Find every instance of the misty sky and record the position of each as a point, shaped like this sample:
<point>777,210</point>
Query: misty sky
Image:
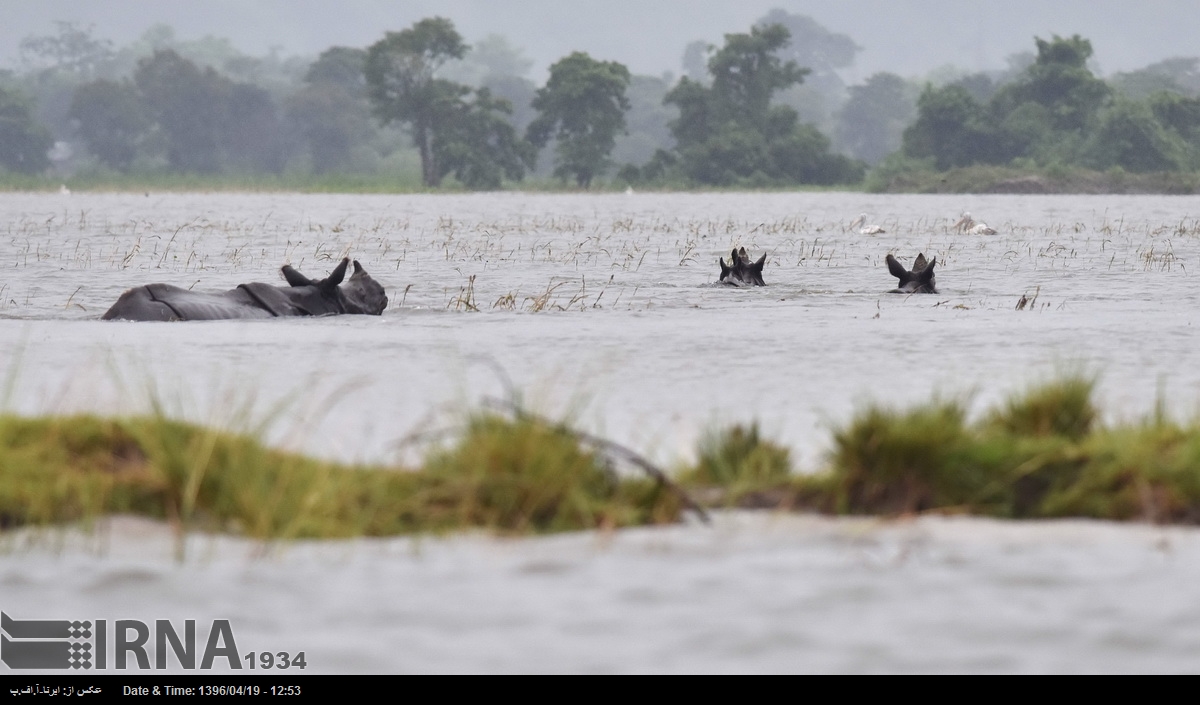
<point>909,37</point>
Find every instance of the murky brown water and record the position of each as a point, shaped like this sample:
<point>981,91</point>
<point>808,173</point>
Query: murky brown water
<point>604,308</point>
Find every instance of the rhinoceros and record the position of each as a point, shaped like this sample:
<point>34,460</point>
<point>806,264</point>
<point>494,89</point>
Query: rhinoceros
<point>742,272</point>
<point>302,297</point>
<point>918,281</point>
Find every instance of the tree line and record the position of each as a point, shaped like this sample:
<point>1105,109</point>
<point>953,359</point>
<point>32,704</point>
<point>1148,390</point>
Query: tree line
<point>766,108</point>
<point>1058,112</point>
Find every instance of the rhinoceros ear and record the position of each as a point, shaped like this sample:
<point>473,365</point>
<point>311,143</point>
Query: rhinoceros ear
<point>724,267</point>
<point>758,266</point>
<point>897,269</point>
<point>336,277</point>
<point>295,278</point>
<point>920,263</point>
<point>927,273</point>
<point>358,268</point>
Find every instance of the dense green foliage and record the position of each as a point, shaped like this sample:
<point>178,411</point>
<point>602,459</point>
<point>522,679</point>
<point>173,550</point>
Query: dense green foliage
<point>452,131</point>
<point>730,133</point>
<point>23,141</point>
<point>768,108</point>
<point>583,108</point>
<point>330,114</point>
<point>1057,112</point>
<point>875,116</point>
<point>112,120</point>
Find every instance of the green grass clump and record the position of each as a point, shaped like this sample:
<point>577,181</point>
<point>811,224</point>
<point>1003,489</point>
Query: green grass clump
<point>902,461</point>
<point>1148,472</point>
<point>64,469</point>
<point>526,475</point>
<point>739,461</point>
<point>1041,454</point>
<point>503,475</point>
<point>1060,408</point>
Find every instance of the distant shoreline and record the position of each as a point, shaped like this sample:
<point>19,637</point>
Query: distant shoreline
<point>966,180</point>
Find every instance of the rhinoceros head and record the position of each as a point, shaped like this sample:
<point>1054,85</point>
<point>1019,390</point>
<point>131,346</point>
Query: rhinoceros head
<point>364,293</point>
<point>741,271</point>
<point>920,280</point>
<point>359,294</point>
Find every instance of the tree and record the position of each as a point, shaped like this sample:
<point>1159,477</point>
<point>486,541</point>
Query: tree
<point>73,50</point>
<point>823,53</point>
<point>188,105</point>
<point>55,65</point>
<point>23,141</point>
<point>402,87</point>
<point>1059,80</point>
<point>1177,75</point>
<point>491,56</point>
<point>1181,116</point>
<point>1128,136</point>
<point>519,92</point>
<point>480,146</point>
<point>695,61</point>
<point>208,122</point>
<point>1177,113</point>
<point>646,121</point>
<point>954,129</point>
<point>342,67</point>
<point>747,71</point>
<point>112,121</point>
<point>250,133</point>
<point>871,123</point>
<point>812,46</point>
<point>730,132</point>
<point>583,107</point>
<point>330,114</point>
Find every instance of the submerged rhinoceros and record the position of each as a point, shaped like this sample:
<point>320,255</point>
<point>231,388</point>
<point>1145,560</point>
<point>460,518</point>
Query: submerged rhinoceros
<point>918,281</point>
<point>302,297</point>
<point>742,272</point>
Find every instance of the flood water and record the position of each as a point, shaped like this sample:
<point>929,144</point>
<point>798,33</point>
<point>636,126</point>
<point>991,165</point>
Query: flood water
<point>604,309</point>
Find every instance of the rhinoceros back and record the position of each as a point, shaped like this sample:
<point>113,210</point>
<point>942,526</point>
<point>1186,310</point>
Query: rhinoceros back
<point>166,302</point>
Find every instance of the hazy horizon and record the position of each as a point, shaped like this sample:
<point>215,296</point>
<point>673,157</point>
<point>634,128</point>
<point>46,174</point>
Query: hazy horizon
<point>901,36</point>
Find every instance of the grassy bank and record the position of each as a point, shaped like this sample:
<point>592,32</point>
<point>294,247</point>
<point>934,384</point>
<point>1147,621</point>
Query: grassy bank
<point>884,179</point>
<point>251,183</point>
<point>1041,454</point>
<point>403,183</point>
<point>892,176</point>
<point>509,476</point>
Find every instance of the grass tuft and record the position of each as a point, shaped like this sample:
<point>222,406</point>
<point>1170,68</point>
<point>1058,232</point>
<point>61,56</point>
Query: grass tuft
<point>1039,455</point>
<point>521,475</point>
<point>1060,408</point>
<point>900,461</point>
<point>739,460</point>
